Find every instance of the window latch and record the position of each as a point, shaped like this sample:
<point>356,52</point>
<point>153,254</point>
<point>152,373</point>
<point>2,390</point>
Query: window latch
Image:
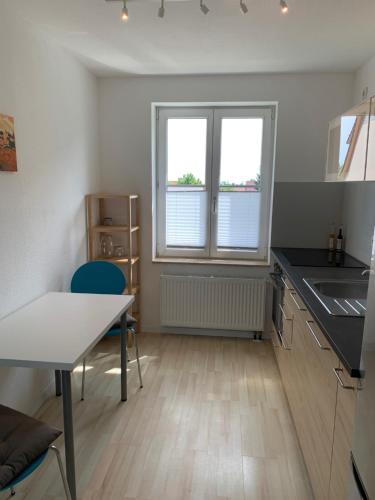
<point>214,202</point>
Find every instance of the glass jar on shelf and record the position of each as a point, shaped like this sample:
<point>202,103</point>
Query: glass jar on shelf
<point>106,245</point>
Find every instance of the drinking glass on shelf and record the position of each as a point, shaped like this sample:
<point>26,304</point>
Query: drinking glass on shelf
<point>119,251</point>
<point>106,244</point>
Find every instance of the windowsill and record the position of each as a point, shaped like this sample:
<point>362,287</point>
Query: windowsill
<point>211,262</point>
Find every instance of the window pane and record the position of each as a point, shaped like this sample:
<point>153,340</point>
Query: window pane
<point>241,153</point>
<point>186,218</point>
<point>187,139</point>
<point>186,205</point>
<point>239,183</point>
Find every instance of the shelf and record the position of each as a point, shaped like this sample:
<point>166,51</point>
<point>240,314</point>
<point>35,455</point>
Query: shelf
<point>134,291</point>
<point>110,229</point>
<point>126,229</point>
<point>114,229</point>
<point>103,196</point>
<point>119,260</point>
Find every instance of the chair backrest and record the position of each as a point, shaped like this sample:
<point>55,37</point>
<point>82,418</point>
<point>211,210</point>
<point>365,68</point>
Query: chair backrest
<point>98,277</point>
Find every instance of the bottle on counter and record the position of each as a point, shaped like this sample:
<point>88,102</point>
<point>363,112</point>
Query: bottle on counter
<point>340,241</point>
<point>332,238</point>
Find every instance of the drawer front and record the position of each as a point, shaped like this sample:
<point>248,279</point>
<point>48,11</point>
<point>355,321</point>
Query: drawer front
<point>287,283</point>
<point>342,441</point>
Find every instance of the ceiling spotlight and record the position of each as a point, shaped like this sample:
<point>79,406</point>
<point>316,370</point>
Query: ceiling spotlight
<point>284,6</point>
<point>124,12</point>
<point>161,10</point>
<point>204,7</point>
<point>243,7</point>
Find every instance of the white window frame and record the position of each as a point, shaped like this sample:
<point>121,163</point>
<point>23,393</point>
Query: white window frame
<point>160,113</point>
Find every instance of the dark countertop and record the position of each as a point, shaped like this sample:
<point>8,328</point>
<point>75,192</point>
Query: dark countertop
<point>344,334</point>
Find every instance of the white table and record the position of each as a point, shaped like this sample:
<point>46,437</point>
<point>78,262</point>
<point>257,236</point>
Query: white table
<point>56,332</point>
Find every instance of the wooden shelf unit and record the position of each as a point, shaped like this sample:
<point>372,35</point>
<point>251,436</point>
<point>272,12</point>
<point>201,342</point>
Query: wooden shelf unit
<point>124,211</point>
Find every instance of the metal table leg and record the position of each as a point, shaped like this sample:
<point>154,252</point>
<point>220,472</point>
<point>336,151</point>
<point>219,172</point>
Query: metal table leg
<point>68,432</point>
<point>124,359</point>
<point>58,382</point>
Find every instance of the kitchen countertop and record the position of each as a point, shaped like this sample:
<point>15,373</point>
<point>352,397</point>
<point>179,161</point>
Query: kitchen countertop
<point>344,334</point>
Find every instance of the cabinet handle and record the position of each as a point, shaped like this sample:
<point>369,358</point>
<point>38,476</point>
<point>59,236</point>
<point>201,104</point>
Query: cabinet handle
<point>300,308</point>
<point>309,323</point>
<point>284,346</point>
<point>283,313</point>
<point>337,372</point>
<point>285,283</point>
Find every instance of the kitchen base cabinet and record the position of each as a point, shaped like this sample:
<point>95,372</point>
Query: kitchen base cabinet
<point>342,440</point>
<point>322,407</point>
<point>314,398</point>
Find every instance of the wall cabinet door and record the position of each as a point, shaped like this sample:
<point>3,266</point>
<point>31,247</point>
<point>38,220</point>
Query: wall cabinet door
<point>370,162</point>
<point>347,145</point>
<point>342,441</point>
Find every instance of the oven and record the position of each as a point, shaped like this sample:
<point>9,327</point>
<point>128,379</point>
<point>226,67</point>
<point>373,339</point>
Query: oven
<point>277,299</point>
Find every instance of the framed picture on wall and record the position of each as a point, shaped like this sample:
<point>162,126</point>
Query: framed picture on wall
<point>8,156</point>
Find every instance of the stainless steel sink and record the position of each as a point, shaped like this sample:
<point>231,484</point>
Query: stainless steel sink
<point>340,297</point>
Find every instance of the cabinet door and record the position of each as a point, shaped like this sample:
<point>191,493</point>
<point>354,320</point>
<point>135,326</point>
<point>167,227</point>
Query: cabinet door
<point>347,145</point>
<point>319,406</point>
<point>370,162</point>
<point>332,164</point>
<point>342,441</point>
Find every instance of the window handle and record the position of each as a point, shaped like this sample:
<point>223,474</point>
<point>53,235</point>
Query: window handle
<point>214,204</point>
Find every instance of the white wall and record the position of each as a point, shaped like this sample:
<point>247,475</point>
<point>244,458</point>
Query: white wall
<point>307,103</point>
<point>359,198</point>
<point>42,221</point>
<point>364,77</point>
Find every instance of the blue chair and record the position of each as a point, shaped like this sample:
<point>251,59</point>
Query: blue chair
<point>106,278</point>
<point>25,442</point>
<point>32,467</point>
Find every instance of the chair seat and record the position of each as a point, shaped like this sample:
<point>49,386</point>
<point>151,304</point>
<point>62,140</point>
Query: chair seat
<point>116,328</point>
<point>22,440</point>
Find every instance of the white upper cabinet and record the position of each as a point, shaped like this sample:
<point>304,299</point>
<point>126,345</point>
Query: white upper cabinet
<point>347,145</point>
<point>370,162</point>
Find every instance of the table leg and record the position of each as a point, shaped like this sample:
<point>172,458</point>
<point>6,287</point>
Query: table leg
<point>68,432</point>
<point>124,358</point>
<point>58,382</point>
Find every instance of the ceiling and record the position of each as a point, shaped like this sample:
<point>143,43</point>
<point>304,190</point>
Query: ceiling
<point>316,35</point>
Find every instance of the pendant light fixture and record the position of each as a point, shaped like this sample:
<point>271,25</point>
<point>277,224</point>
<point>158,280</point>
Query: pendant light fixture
<point>161,10</point>
<point>243,7</point>
<point>284,7</point>
<point>124,12</point>
<point>205,10</point>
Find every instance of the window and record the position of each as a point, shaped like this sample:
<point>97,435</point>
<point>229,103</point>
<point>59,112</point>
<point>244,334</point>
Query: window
<point>214,175</point>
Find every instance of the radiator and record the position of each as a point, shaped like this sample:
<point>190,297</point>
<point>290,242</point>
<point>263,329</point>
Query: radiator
<point>212,302</point>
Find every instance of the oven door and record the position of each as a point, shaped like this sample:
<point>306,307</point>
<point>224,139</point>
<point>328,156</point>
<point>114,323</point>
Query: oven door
<point>277,301</point>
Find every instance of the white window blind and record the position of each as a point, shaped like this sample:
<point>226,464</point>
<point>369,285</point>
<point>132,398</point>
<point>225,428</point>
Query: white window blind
<point>186,219</point>
<point>238,220</point>
<point>214,175</point>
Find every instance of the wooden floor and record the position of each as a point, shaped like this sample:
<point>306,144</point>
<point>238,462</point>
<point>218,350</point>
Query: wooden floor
<point>212,422</point>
